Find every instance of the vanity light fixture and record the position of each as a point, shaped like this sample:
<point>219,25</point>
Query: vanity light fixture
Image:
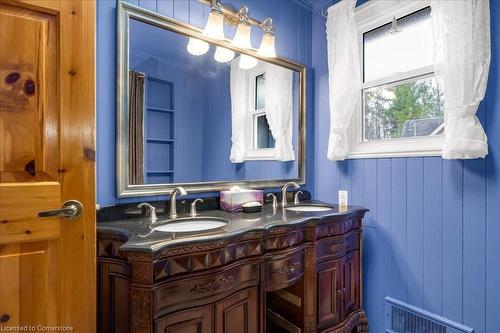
<point>243,29</point>
<point>223,55</point>
<point>242,39</point>
<point>247,62</point>
<point>267,47</point>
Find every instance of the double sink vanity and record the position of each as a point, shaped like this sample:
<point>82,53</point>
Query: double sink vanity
<point>209,121</point>
<point>293,268</point>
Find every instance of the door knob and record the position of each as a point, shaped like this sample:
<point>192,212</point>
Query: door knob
<point>71,209</point>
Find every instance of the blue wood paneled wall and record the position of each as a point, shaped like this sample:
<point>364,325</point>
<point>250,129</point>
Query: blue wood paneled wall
<point>293,24</point>
<point>432,236</point>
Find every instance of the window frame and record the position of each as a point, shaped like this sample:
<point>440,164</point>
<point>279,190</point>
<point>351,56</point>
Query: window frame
<point>252,153</point>
<point>369,16</point>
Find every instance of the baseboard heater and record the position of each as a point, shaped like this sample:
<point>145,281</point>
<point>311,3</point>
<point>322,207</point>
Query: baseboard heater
<point>405,318</point>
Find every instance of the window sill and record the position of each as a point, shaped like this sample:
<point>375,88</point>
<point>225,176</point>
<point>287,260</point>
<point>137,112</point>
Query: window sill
<point>418,147</point>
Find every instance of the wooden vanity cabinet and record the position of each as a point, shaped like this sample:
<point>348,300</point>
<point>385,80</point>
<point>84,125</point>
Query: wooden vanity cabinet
<point>338,289</point>
<point>303,278</point>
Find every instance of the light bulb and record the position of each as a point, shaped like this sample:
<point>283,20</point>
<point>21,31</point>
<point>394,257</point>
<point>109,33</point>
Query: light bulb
<point>215,24</point>
<point>242,37</point>
<point>266,48</point>
<point>223,55</point>
<point>247,62</point>
<point>197,47</point>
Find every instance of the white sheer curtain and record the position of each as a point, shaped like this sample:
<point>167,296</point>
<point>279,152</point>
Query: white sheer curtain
<point>462,58</point>
<point>239,110</point>
<point>343,75</point>
<point>279,109</point>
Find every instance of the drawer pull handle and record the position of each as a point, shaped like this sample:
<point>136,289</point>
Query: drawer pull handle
<point>213,285</point>
<point>337,248</point>
<point>286,269</point>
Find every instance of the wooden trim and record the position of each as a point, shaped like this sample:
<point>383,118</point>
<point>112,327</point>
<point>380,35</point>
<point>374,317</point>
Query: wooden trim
<point>77,98</point>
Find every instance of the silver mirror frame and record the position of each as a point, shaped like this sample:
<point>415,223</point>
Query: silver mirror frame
<point>127,11</point>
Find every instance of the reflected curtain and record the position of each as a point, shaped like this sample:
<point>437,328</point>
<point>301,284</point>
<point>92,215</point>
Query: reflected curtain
<point>461,64</point>
<point>239,110</point>
<point>279,109</point>
<point>344,75</point>
<point>135,127</point>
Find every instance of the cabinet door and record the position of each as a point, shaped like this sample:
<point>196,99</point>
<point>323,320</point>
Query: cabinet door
<point>197,320</point>
<point>350,283</point>
<point>237,313</point>
<point>329,291</point>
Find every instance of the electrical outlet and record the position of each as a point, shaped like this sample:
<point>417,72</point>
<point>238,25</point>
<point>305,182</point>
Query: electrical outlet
<point>343,200</point>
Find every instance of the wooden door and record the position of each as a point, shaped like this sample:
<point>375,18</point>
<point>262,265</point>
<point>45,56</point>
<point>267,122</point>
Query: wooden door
<point>47,112</point>
<point>196,320</point>
<point>329,292</point>
<point>350,283</point>
<point>238,313</point>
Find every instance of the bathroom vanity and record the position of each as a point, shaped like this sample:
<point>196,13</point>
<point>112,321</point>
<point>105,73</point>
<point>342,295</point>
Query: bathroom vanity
<point>193,122</point>
<point>274,271</point>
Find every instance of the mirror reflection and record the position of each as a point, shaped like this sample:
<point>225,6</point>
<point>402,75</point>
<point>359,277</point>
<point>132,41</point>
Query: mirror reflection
<point>219,116</point>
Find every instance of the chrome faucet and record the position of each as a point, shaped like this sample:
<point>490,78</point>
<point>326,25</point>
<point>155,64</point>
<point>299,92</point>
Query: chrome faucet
<point>173,201</point>
<point>193,212</point>
<point>150,212</point>
<point>284,190</point>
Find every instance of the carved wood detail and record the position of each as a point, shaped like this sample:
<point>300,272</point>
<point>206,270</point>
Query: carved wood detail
<point>356,319</point>
<point>213,285</point>
<point>141,309</point>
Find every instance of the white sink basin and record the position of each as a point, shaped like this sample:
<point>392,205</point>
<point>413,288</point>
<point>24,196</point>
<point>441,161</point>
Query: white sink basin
<point>191,225</point>
<point>309,208</point>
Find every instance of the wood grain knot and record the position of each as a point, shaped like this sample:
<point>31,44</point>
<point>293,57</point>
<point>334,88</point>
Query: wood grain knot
<point>28,232</point>
<point>12,78</point>
<point>72,72</point>
<point>89,153</point>
<point>4,318</point>
<point>29,87</point>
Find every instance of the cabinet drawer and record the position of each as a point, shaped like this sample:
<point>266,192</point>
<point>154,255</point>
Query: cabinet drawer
<point>284,270</point>
<point>176,294</point>
<point>339,246</point>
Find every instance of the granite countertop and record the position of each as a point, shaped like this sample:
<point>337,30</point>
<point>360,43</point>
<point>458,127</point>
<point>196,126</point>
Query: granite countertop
<point>140,237</point>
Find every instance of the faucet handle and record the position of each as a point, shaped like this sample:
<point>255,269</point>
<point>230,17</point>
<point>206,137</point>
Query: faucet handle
<point>150,211</point>
<point>193,207</point>
<point>275,200</point>
<point>296,200</point>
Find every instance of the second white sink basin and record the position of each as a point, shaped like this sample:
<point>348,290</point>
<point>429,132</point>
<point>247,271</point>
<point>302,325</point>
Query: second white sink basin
<point>191,225</point>
<point>309,208</point>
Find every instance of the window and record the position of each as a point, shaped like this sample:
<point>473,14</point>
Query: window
<point>262,144</point>
<point>402,106</point>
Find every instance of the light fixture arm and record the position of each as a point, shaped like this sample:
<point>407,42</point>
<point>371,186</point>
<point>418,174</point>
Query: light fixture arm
<point>231,16</point>
<point>267,25</point>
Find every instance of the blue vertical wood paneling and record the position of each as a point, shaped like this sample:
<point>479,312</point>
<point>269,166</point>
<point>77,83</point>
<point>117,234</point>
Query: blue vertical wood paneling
<point>474,204</point>
<point>433,235</point>
<point>453,240</point>
<point>357,183</point>
<point>398,230</point>
<point>148,4</point>
<point>415,230</point>
<point>383,225</point>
